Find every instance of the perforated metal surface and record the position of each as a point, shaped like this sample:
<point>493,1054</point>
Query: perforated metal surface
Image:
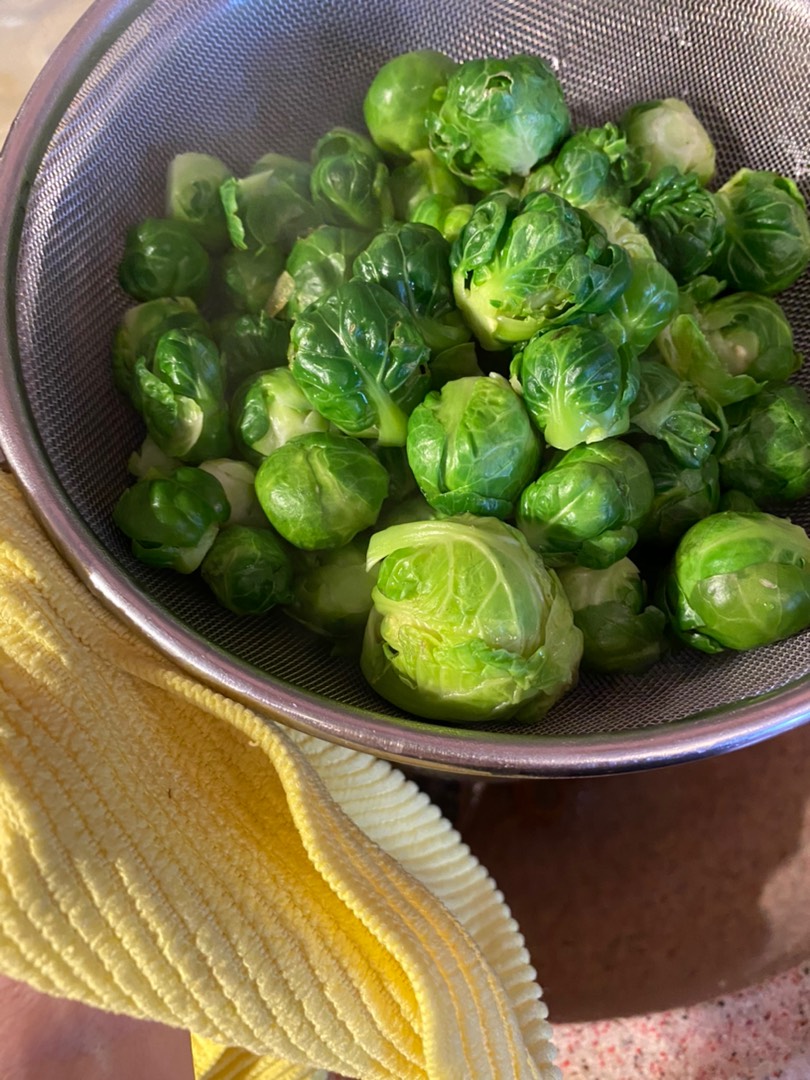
<point>240,77</point>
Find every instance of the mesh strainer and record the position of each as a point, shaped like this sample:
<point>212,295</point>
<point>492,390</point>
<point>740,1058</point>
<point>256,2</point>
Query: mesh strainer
<point>137,82</point>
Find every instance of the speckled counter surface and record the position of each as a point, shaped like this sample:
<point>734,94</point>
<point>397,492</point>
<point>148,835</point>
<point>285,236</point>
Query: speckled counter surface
<point>667,913</point>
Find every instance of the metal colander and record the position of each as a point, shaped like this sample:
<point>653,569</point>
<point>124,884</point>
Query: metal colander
<point>136,83</point>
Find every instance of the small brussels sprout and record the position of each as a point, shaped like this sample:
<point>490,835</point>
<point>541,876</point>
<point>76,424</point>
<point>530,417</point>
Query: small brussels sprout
<point>297,174</point>
<point>270,207</point>
<point>577,387</point>
<point>248,278</point>
<point>525,265</point>
<point>268,410</point>
<point>587,506</point>
<point>731,347</point>
<point>150,459</point>
<point>139,332</point>
<point>620,632</point>
<point>497,118</point>
<point>401,481</point>
<point>666,132</point>
<point>248,570</point>
<point>182,397</point>
<point>739,581</point>
<point>238,481</point>
<point>621,229</point>
<point>683,221</point>
<point>472,447</point>
<point>162,259</point>
<point>736,500</point>
<point>400,97</point>
<point>646,306</point>
<point>458,362</point>
<point>350,181</point>
<point>361,361</point>
<point>318,263</point>
<point>331,592</point>
<point>192,196</point>
<point>592,165</point>
<point>319,490</point>
<point>683,494</point>
<point>172,520</point>
<point>444,214</point>
<point>667,408</point>
<point>467,624</point>
<point>767,450</point>
<point>249,344</point>
<point>421,178</point>
<point>412,262</point>
<point>767,237</point>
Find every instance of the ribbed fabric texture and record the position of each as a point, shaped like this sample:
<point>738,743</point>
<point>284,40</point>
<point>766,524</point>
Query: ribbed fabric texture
<point>168,854</point>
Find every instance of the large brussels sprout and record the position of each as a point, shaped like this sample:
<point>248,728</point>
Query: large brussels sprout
<point>412,262</point>
<point>421,178</point>
<point>247,279</point>
<point>682,494</point>
<point>666,132</point>
<point>467,625</point>
<point>620,631</point>
<point>331,592</point>
<point>163,259</point>
<point>525,265</point>
<point>182,396</point>
<point>238,480</point>
<point>472,447</point>
<point>267,411</point>
<point>319,490</point>
<point>361,361</point>
<point>400,96</point>
<point>444,214</point>
<point>173,520</point>
<point>271,206</point>
<point>592,165</point>
<point>497,118</point>
<point>350,181</point>
<point>249,344</point>
<point>739,581</point>
<point>193,181</point>
<point>666,408</point>
<point>318,263</point>
<point>767,235</point>
<point>683,221</point>
<point>766,454</point>
<point>248,570</point>
<point>587,506</point>
<point>731,347</point>
<point>578,388</point>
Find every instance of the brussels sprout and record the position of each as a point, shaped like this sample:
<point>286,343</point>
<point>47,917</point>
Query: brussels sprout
<point>162,259</point>
<point>620,632</point>
<point>182,397</point>
<point>248,570</point>
<point>248,278</point>
<point>577,387</point>
<point>496,118</point>
<point>620,228</point>
<point>665,133</point>
<point>667,408</point>
<point>739,581</point>
<point>412,262</point>
<point>592,165</point>
<point>172,520</point>
<point>401,481</point>
<point>192,196</point>
<point>399,98</point>
<point>350,181</point>
<point>472,447</point>
<point>405,511</point>
<point>731,347</point>
<point>683,495</point>
<point>317,264</point>
<point>767,450</point>
<point>683,221</point>
<point>736,500</point>
<point>270,207</point>
<point>267,411</point>
<point>238,481</point>
<point>361,361</point>
<point>588,505</point>
<point>458,362</point>
<point>421,178</point>
<point>139,331</point>
<point>249,344</point>
<point>443,214</point>
<point>646,306</point>
<point>467,623</point>
<point>767,235</point>
<point>150,459</point>
<point>521,266</point>
<point>331,592</point>
<point>319,490</point>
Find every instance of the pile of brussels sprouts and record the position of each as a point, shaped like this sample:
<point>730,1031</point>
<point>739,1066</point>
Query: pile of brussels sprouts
<point>484,397</point>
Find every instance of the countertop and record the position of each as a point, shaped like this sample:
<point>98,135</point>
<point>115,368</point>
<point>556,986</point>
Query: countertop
<point>666,912</point>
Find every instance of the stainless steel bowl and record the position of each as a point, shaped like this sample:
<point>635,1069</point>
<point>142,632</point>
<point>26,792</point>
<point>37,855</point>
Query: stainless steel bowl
<point>136,82</point>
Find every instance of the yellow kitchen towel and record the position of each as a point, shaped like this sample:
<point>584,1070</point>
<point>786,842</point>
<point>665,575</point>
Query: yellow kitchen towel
<point>168,854</point>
